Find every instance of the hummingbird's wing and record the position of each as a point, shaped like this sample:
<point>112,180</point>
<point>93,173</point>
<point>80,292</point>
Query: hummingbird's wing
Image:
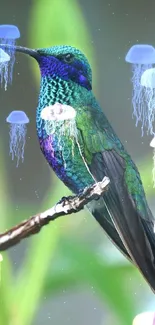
<point>125,200</point>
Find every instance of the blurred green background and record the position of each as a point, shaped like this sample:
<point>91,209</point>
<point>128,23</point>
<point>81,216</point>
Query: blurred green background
<point>70,273</point>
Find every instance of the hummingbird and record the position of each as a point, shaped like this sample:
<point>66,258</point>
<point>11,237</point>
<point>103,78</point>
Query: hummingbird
<point>91,152</point>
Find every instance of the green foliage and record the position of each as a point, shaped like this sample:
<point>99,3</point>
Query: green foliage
<point>40,273</point>
<point>50,27</point>
<point>146,175</point>
<point>107,280</point>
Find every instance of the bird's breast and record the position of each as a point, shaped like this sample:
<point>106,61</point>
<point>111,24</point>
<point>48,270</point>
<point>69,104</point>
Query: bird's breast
<point>63,153</point>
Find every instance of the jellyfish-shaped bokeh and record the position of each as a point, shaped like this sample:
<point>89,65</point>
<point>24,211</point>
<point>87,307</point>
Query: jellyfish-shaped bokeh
<point>8,36</point>
<point>141,57</point>
<point>148,84</point>
<point>18,130</point>
<point>59,115</point>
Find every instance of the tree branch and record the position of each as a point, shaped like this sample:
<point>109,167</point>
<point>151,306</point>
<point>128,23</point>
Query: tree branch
<point>66,206</point>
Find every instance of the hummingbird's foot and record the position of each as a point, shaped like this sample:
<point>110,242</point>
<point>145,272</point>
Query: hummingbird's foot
<point>65,200</point>
<point>80,192</point>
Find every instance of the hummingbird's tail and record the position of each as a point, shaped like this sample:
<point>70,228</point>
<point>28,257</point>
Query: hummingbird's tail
<point>101,214</point>
<point>141,242</point>
<point>117,213</point>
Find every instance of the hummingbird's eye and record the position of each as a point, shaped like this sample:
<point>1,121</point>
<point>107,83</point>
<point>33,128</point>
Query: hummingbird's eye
<point>68,57</point>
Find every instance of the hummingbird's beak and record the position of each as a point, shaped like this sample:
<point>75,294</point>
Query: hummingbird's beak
<point>21,49</point>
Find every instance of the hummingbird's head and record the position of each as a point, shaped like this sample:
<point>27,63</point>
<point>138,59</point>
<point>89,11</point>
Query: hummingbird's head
<point>65,62</point>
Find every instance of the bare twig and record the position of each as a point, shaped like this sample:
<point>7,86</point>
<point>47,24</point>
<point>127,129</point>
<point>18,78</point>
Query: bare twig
<point>66,206</point>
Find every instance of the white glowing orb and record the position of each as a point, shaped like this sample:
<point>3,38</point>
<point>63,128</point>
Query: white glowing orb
<point>4,57</point>
<point>148,78</point>
<point>152,143</point>
<point>147,318</point>
<point>58,112</point>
